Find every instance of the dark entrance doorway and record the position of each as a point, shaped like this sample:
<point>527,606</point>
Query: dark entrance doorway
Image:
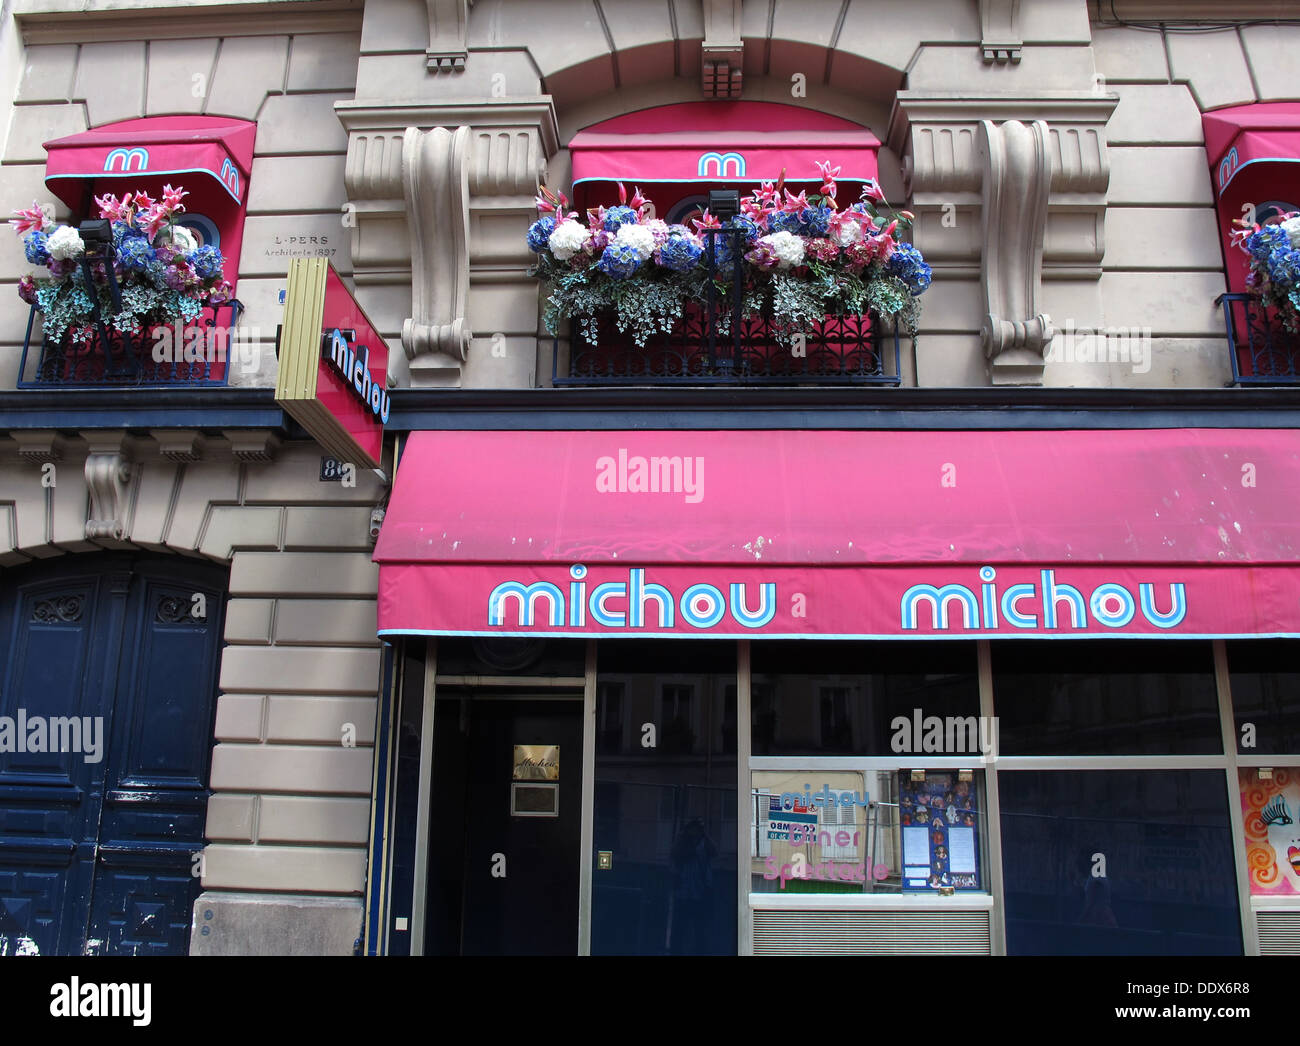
<point>503,853</point>
<point>101,819</point>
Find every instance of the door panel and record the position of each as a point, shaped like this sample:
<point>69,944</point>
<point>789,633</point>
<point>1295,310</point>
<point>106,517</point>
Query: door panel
<point>98,855</point>
<point>533,908</point>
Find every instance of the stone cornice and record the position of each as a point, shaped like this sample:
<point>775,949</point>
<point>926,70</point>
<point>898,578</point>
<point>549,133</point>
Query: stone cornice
<point>61,22</point>
<point>376,115</point>
<point>1213,12</point>
<point>1054,107</point>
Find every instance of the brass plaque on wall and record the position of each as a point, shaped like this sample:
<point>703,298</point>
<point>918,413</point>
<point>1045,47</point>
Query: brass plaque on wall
<point>537,763</point>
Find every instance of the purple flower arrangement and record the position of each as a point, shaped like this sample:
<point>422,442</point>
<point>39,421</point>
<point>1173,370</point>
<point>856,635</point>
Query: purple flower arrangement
<point>800,257</point>
<point>162,273</point>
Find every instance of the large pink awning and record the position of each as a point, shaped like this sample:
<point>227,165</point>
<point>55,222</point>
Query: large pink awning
<point>218,148</point>
<point>1173,532</point>
<point>699,141</point>
<point>1243,135</point>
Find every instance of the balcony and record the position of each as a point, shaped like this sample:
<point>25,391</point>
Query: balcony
<point>841,350</point>
<point>716,343</point>
<point>1262,350</point>
<point>195,354</point>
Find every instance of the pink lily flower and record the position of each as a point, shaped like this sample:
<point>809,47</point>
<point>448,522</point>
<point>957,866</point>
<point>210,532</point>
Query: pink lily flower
<point>153,220</point>
<point>829,173</point>
<point>706,221</point>
<point>871,191</point>
<point>172,199</point>
<point>31,220</point>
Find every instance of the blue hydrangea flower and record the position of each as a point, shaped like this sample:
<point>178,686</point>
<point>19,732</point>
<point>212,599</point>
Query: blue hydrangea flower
<point>619,260</point>
<point>907,264</point>
<point>814,221</point>
<point>35,246</point>
<point>724,259</point>
<point>679,254</point>
<point>136,253</point>
<point>539,232</point>
<point>123,231</point>
<point>785,221</point>
<point>207,262</point>
<point>743,221</point>
<point>616,216</point>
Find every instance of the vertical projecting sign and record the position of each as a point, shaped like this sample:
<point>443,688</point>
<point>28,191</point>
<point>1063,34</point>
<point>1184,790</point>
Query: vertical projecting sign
<point>333,365</point>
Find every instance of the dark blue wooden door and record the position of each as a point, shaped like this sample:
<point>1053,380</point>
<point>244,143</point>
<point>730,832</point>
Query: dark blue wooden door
<point>108,671</point>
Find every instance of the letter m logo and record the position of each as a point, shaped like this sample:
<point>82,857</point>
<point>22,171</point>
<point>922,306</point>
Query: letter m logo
<point>721,165</point>
<point>136,159</point>
<point>230,175</point>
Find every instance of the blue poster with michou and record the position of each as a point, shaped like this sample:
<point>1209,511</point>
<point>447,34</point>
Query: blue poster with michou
<point>938,816</point>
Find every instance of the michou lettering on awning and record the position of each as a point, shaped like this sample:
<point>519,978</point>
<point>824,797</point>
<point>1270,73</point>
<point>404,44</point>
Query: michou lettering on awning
<point>352,362</point>
<point>830,601</point>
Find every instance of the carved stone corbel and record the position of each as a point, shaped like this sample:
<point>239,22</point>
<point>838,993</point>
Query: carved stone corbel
<point>1017,180</point>
<point>723,49</point>
<point>107,475</point>
<point>1000,40</point>
<point>448,28</point>
<point>435,182</point>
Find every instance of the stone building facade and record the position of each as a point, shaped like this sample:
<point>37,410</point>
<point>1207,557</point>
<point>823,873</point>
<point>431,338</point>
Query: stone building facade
<point>1053,154</point>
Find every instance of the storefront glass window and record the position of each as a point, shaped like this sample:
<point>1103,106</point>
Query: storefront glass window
<point>665,794</point>
<point>866,832</point>
<point>813,699</point>
<point>1118,862</point>
<point>510,656</point>
<point>1128,697</point>
<point>1264,677</point>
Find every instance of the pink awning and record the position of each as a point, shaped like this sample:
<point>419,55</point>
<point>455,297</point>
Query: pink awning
<point>1173,532</point>
<point>1242,135</point>
<point>736,142</point>
<point>219,148</point>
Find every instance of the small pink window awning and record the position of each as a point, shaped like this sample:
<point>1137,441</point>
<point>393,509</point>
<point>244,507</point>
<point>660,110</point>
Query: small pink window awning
<point>219,148</point>
<point>835,534</point>
<point>737,142</point>
<point>1241,136</point>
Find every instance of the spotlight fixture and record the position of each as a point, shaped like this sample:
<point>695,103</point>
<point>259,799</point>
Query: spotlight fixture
<point>724,203</point>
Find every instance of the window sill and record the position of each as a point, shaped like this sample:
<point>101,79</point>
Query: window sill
<point>854,902</point>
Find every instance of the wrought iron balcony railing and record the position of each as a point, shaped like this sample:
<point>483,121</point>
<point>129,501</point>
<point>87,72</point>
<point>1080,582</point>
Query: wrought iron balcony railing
<point>191,353</point>
<point>1262,350</point>
<point>716,343</point>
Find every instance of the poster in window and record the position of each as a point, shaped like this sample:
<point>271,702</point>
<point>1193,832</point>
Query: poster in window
<point>1271,819</point>
<point>939,818</point>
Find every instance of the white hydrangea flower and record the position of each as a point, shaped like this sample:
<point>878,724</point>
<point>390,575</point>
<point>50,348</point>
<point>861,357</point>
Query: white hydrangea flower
<point>638,237</point>
<point>849,232</point>
<point>66,243</point>
<point>181,238</point>
<point>787,247</point>
<point>566,239</point>
<point>1292,227</point>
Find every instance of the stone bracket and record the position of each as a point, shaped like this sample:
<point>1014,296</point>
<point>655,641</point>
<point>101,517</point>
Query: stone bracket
<point>435,182</point>
<point>1000,41</point>
<point>108,476</point>
<point>1017,176</point>
<point>448,29</point>
<point>723,56</point>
